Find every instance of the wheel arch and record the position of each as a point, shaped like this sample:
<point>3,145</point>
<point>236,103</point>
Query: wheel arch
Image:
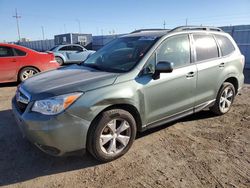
<point>234,81</point>
<point>128,107</point>
<point>60,56</point>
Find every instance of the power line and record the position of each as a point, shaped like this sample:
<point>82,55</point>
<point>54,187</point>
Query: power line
<point>17,23</point>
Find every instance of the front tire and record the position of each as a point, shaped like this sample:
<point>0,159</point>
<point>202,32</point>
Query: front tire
<point>111,135</point>
<point>224,99</point>
<point>26,73</point>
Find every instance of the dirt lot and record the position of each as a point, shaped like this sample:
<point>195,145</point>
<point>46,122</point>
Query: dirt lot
<point>201,150</point>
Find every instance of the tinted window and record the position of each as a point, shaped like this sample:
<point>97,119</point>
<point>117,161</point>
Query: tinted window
<point>206,47</point>
<point>225,44</point>
<point>51,49</point>
<point>77,48</point>
<point>19,52</point>
<point>121,54</point>
<point>66,48</point>
<point>176,50</point>
<point>6,51</point>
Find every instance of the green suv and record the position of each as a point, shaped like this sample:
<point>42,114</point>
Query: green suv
<point>137,81</point>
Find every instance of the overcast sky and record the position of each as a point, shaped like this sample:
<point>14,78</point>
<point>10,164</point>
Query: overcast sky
<point>108,16</point>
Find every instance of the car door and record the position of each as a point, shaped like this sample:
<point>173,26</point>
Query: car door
<point>78,53</point>
<point>173,93</point>
<point>66,51</point>
<point>8,64</point>
<point>209,66</point>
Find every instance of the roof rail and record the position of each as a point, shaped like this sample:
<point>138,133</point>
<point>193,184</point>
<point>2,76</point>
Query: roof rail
<point>142,30</point>
<point>186,28</point>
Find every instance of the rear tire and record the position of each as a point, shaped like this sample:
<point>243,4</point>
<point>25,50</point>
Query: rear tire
<point>111,135</point>
<point>224,99</point>
<point>26,73</point>
<point>59,60</point>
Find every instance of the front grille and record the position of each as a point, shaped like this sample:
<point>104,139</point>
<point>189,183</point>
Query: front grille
<point>22,100</point>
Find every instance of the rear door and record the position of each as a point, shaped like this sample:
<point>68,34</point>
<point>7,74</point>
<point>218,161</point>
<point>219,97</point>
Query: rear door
<point>209,66</point>
<point>8,64</point>
<point>66,51</point>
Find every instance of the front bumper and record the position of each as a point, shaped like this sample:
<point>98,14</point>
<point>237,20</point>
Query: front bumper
<point>55,135</point>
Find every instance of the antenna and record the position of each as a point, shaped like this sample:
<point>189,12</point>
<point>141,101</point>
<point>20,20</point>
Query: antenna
<point>17,23</point>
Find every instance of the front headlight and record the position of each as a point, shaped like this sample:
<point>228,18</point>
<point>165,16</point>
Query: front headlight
<point>55,105</point>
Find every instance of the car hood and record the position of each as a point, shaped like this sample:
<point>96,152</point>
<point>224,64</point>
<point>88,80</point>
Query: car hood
<point>66,80</point>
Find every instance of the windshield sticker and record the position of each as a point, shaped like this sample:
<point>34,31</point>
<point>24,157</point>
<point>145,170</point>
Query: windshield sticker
<point>148,38</point>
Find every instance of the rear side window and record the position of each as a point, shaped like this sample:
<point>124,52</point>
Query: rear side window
<point>206,47</point>
<point>225,44</point>
<point>19,52</point>
<point>77,48</point>
<point>176,50</point>
<point>6,51</point>
<point>66,48</point>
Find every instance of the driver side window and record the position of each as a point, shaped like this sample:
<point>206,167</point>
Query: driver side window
<point>176,50</point>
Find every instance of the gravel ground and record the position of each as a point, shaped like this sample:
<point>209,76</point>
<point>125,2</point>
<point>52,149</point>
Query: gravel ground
<point>201,150</point>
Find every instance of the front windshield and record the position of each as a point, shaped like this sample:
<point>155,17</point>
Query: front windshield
<point>122,54</point>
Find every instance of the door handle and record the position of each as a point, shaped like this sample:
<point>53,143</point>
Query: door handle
<point>13,60</point>
<point>190,74</point>
<point>222,65</point>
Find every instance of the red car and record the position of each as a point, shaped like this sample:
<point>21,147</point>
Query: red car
<point>18,63</point>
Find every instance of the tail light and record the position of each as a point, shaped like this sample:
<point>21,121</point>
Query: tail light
<point>52,57</point>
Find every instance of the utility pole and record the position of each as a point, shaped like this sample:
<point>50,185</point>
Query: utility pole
<point>164,24</point>
<point>79,25</point>
<point>17,23</point>
<point>64,26</point>
<point>186,21</point>
<point>42,31</point>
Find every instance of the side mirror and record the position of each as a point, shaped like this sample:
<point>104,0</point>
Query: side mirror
<point>162,67</point>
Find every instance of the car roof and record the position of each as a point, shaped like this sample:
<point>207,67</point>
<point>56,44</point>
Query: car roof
<point>148,33</point>
<point>18,47</point>
<point>62,45</point>
<point>180,29</point>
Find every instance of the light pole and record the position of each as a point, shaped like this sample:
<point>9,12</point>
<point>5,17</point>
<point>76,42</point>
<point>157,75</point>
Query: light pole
<point>42,31</point>
<point>164,24</point>
<point>17,24</point>
<point>79,25</point>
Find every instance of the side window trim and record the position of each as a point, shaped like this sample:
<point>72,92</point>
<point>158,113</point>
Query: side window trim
<point>195,54</point>
<point>192,49</point>
<point>16,54</point>
<point>221,47</point>
<point>157,48</point>
<point>218,46</point>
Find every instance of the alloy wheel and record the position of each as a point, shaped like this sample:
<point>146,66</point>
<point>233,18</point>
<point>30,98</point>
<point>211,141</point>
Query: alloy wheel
<point>115,136</point>
<point>28,73</point>
<point>226,99</point>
